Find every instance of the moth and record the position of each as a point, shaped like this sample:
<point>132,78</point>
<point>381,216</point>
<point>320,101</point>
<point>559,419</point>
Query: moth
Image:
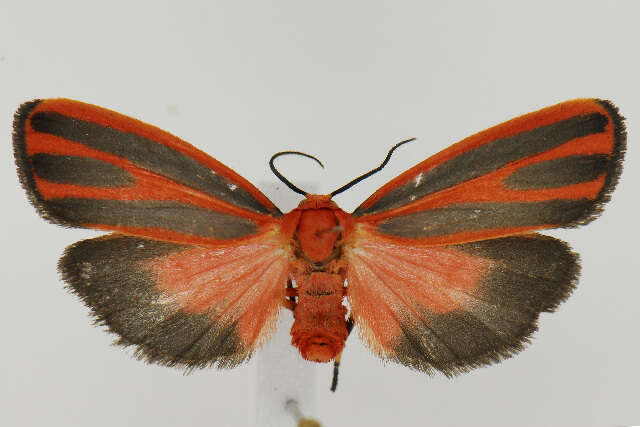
<point>442,267</point>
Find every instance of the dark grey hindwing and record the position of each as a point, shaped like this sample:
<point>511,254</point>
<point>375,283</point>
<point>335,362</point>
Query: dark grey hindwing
<point>532,274</point>
<point>107,273</point>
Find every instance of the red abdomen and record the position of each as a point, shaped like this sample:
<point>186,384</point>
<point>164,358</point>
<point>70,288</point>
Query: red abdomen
<point>320,328</point>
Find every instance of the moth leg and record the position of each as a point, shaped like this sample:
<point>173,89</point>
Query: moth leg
<point>350,323</point>
<point>336,361</point>
<point>287,303</point>
<point>291,296</point>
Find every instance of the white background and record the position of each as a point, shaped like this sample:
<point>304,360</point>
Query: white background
<point>343,80</point>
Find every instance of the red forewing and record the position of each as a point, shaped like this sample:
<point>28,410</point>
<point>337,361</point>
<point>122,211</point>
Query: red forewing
<point>86,166</point>
<point>551,168</point>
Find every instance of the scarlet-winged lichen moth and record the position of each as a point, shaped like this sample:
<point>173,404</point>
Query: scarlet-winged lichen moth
<point>442,267</point>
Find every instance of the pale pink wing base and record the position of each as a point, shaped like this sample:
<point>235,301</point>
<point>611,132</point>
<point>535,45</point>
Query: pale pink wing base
<point>180,304</point>
<point>452,308</point>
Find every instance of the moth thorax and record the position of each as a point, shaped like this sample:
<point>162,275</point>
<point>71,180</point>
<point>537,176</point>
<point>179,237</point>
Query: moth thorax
<point>317,233</point>
<point>320,329</point>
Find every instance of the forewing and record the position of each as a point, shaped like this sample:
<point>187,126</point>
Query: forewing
<point>180,304</point>
<point>552,168</point>
<point>85,166</point>
<point>453,308</point>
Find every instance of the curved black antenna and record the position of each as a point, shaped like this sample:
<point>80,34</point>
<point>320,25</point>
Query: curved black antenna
<point>371,172</point>
<point>282,178</point>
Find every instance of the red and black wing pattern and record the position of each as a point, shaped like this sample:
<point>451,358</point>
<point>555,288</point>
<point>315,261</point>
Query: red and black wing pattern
<point>183,305</point>
<point>552,168</point>
<point>443,271</point>
<point>86,166</point>
<point>197,274</point>
<point>453,308</point>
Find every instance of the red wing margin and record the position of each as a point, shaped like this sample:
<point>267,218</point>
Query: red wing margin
<point>552,168</point>
<point>85,166</point>
<point>454,308</point>
<point>181,305</point>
